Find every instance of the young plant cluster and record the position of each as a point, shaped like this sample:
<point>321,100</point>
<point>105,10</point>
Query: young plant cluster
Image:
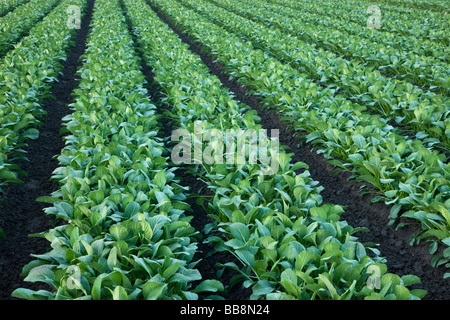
<point>17,23</point>
<point>401,102</point>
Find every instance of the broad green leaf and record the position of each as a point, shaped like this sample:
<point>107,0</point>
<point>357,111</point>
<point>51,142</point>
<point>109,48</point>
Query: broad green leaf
<point>401,292</point>
<point>409,280</point>
<point>154,290</point>
<point>240,231</point>
<point>330,287</point>
<point>112,258</point>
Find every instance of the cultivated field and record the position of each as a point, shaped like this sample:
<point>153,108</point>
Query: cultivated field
<point>225,149</point>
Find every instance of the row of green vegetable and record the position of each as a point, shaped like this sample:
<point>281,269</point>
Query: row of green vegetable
<point>426,27</point>
<point>399,101</point>
<point>421,70</point>
<point>287,243</point>
<point>126,234</point>
<point>26,77</point>
<point>404,173</point>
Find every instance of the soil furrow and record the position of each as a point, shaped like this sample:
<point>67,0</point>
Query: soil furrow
<point>21,215</point>
<point>360,212</point>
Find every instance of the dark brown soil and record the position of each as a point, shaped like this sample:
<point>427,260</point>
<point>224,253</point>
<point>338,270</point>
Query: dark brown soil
<point>21,215</point>
<point>360,212</point>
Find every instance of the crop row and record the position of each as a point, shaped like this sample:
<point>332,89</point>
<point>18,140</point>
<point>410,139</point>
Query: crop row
<point>26,79</point>
<point>407,175</point>
<point>400,101</point>
<point>126,236</point>
<point>398,22</point>
<point>17,23</point>
<point>439,6</point>
<point>9,5</point>
<point>287,243</point>
<point>395,40</point>
<point>421,70</point>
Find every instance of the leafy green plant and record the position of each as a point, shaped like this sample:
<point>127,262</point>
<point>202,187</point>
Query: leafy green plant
<point>272,224</point>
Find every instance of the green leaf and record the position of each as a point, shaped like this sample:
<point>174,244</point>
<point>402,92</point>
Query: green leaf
<point>28,294</point>
<point>304,258</point>
<point>171,270</point>
<point>153,290</point>
<point>240,231</point>
<point>446,241</point>
<point>118,232</point>
<point>47,199</point>
<point>299,165</point>
<point>31,133</point>
<point>395,210</point>
<point>401,292</point>
<point>132,208</point>
<point>330,287</point>
<point>359,140</point>
<point>419,293</point>
<point>42,273</point>
<point>246,256</point>
<point>263,287</point>
<point>64,210</point>
<point>410,279</point>
<point>112,258</point>
<point>97,196</point>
